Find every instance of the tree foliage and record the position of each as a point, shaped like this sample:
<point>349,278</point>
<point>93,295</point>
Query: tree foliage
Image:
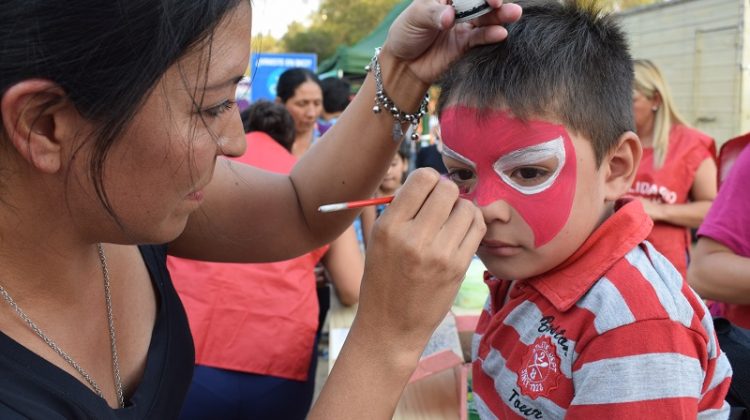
<point>336,23</point>
<point>345,22</point>
<point>266,43</point>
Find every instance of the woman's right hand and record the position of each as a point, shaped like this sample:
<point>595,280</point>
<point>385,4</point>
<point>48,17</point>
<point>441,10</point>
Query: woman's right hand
<point>421,248</point>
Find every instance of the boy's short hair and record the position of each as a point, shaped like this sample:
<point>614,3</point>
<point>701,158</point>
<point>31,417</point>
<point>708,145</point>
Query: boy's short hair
<point>563,60</point>
<point>271,118</point>
<point>336,94</point>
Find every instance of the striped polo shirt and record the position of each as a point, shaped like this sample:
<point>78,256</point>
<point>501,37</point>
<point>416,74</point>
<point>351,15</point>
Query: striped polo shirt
<point>614,332</point>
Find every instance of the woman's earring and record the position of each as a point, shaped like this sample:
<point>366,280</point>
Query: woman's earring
<point>655,108</point>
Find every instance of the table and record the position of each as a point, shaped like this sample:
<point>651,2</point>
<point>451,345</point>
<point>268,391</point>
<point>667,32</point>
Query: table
<point>436,397</point>
<point>432,398</point>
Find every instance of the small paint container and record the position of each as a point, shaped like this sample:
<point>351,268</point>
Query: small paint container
<point>470,9</point>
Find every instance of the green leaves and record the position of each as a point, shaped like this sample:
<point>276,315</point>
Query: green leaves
<point>336,23</point>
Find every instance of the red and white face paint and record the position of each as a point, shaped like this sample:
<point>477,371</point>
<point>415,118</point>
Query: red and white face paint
<point>531,165</point>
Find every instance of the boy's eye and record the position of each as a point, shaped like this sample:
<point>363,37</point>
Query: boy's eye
<point>529,176</point>
<point>461,177</point>
<point>219,109</point>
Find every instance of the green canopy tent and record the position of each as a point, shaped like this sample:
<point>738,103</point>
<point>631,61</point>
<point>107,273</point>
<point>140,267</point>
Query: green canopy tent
<point>350,61</point>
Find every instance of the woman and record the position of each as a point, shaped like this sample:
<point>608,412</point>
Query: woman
<point>117,117</point>
<point>676,179</point>
<point>300,92</point>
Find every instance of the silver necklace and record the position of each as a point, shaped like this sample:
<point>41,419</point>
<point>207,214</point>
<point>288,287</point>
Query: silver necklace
<point>61,352</point>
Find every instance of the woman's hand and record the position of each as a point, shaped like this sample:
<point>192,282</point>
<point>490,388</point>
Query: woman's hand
<point>420,250</point>
<point>421,247</point>
<point>654,210</point>
<point>426,35</point>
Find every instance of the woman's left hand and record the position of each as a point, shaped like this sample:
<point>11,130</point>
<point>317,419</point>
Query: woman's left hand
<point>654,210</point>
<point>427,37</point>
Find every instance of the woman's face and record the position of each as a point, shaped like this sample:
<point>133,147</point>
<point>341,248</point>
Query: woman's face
<point>156,171</point>
<point>305,106</point>
<point>643,112</point>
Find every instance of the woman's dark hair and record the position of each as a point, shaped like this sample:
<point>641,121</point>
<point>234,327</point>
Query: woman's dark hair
<point>107,55</point>
<point>290,80</point>
<point>271,118</point>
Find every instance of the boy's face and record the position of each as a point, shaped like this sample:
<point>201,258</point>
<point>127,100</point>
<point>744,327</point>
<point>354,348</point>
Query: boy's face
<point>537,185</point>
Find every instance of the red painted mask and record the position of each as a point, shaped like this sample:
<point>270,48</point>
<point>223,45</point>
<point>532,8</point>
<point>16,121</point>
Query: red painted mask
<point>529,164</point>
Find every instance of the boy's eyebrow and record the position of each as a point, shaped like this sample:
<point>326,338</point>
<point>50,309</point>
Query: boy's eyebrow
<point>457,156</point>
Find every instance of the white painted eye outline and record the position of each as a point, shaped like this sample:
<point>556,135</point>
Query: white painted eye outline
<point>447,152</point>
<point>452,154</point>
<point>529,156</point>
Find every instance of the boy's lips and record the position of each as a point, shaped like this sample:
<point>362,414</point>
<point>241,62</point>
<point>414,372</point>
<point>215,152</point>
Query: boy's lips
<point>499,248</point>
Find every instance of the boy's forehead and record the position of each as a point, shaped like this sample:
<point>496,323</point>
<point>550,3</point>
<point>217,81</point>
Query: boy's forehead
<point>494,132</point>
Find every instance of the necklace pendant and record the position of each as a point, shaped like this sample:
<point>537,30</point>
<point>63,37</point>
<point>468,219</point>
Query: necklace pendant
<point>398,133</point>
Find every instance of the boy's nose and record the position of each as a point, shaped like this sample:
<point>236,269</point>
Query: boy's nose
<point>496,211</point>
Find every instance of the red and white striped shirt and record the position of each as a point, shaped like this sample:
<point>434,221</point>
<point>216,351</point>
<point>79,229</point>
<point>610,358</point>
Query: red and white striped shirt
<point>614,332</point>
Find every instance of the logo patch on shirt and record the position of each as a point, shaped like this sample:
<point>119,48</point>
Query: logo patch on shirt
<point>540,370</point>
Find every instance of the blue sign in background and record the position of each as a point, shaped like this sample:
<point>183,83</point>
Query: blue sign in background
<point>265,69</point>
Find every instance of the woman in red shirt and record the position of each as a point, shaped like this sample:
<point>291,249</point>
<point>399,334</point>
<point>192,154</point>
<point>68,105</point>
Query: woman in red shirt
<point>676,179</point>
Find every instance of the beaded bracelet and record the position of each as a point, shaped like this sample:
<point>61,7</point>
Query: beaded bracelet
<point>383,101</point>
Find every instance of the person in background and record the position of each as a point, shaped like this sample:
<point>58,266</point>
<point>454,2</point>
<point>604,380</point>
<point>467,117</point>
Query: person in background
<point>720,269</point>
<point>392,181</point>
<point>429,153</point>
<point>336,97</point>
<point>117,119</point>
<point>676,180</point>
<point>255,325</point>
<point>272,119</point>
<point>585,319</point>
<point>298,89</point>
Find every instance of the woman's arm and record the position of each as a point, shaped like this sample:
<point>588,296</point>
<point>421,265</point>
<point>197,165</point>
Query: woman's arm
<point>420,251</point>
<point>717,273</point>
<point>250,216</point>
<point>345,265</point>
<point>690,214</point>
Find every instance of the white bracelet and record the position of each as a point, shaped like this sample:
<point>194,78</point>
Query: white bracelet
<point>383,101</point>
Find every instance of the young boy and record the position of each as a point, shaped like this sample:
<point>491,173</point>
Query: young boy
<point>585,319</point>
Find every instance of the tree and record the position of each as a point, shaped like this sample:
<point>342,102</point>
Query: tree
<point>336,23</point>
<point>314,39</point>
<point>345,22</point>
<point>266,43</point>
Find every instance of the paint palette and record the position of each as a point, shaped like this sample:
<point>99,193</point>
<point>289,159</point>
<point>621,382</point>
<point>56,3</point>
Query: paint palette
<point>470,9</point>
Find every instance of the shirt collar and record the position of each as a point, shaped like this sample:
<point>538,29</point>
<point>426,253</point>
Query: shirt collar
<point>610,242</point>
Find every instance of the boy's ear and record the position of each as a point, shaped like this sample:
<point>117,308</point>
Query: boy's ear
<point>35,117</point>
<point>621,165</point>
